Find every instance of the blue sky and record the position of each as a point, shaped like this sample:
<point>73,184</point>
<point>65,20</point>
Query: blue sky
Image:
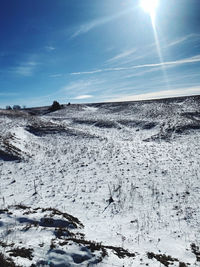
<point>97,50</point>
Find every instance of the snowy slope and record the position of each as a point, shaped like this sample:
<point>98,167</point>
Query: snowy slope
<point>127,173</point>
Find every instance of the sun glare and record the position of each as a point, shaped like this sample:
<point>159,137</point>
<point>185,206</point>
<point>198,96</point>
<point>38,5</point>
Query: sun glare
<point>149,6</point>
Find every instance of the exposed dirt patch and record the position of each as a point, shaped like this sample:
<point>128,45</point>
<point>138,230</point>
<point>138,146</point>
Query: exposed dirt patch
<point>41,129</point>
<point>6,156</point>
<point>84,122</point>
<point>119,251</point>
<point>145,125</point>
<point>44,129</point>
<point>73,220</point>
<point>196,251</point>
<point>106,124</point>
<point>21,252</point>
<point>166,260</point>
<point>8,151</point>
<point>14,113</point>
<point>2,211</point>
<point>7,262</point>
<point>91,245</point>
<point>184,128</point>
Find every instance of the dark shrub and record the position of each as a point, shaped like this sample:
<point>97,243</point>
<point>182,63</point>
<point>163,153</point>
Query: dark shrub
<point>16,107</point>
<point>8,107</point>
<point>55,106</point>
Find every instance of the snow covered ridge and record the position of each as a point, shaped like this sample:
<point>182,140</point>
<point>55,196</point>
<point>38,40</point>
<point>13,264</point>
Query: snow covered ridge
<point>110,184</point>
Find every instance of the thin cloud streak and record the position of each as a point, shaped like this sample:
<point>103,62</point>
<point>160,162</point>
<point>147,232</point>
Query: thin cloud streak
<point>137,74</point>
<point>82,97</point>
<point>80,85</point>
<point>55,75</point>
<point>178,41</point>
<point>122,55</point>
<point>194,59</point>
<point>129,56</point>
<point>183,39</point>
<point>4,94</point>
<point>25,69</point>
<point>50,48</point>
<point>88,72</point>
<point>159,94</point>
<point>84,28</point>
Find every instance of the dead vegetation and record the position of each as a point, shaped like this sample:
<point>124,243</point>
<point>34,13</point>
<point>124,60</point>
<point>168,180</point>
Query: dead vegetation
<point>166,260</point>
<point>8,151</point>
<point>73,220</point>
<point>195,249</point>
<point>64,231</point>
<point>94,246</point>
<point>5,245</point>
<point>7,262</point>
<point>14,113</point>
<point>21,252</point>
<point>41,128</point>
<point>91,245</point>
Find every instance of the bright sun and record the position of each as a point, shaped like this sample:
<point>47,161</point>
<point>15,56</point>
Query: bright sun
<point>149,6</point>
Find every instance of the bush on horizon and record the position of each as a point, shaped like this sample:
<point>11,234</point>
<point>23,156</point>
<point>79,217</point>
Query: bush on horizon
<point>55,106</point>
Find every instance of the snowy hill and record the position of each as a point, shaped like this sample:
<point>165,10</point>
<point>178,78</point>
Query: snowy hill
<point>108,184</point>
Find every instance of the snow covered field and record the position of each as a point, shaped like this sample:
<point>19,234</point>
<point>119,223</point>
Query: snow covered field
<point>113,184</point>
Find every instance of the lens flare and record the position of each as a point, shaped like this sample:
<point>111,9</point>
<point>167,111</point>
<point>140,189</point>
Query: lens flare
<point>149,6</point>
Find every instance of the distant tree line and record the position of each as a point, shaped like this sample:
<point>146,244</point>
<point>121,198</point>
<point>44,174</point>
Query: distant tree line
<point>15,107</point>
<point>55,106</point>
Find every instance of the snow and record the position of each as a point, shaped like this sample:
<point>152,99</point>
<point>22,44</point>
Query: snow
<point>74,160</point>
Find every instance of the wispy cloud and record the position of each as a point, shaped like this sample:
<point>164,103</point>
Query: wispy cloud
<point>122,55</point>
<point>141,72</point>
<point>5,94</point>
<point>183,39</point>
<point>178,41</point>
<point>159,94</point>
<point>56,75</point>
<point>101,70</point>
<point>132,55</point>
<point>82,87</point>
<point>86,27</point>
<point>87,72</point>
<point>194,59</point>
<point>83,97</point>
<point>50,48</point>
<point>79,85</point>
<point>25,69</point>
